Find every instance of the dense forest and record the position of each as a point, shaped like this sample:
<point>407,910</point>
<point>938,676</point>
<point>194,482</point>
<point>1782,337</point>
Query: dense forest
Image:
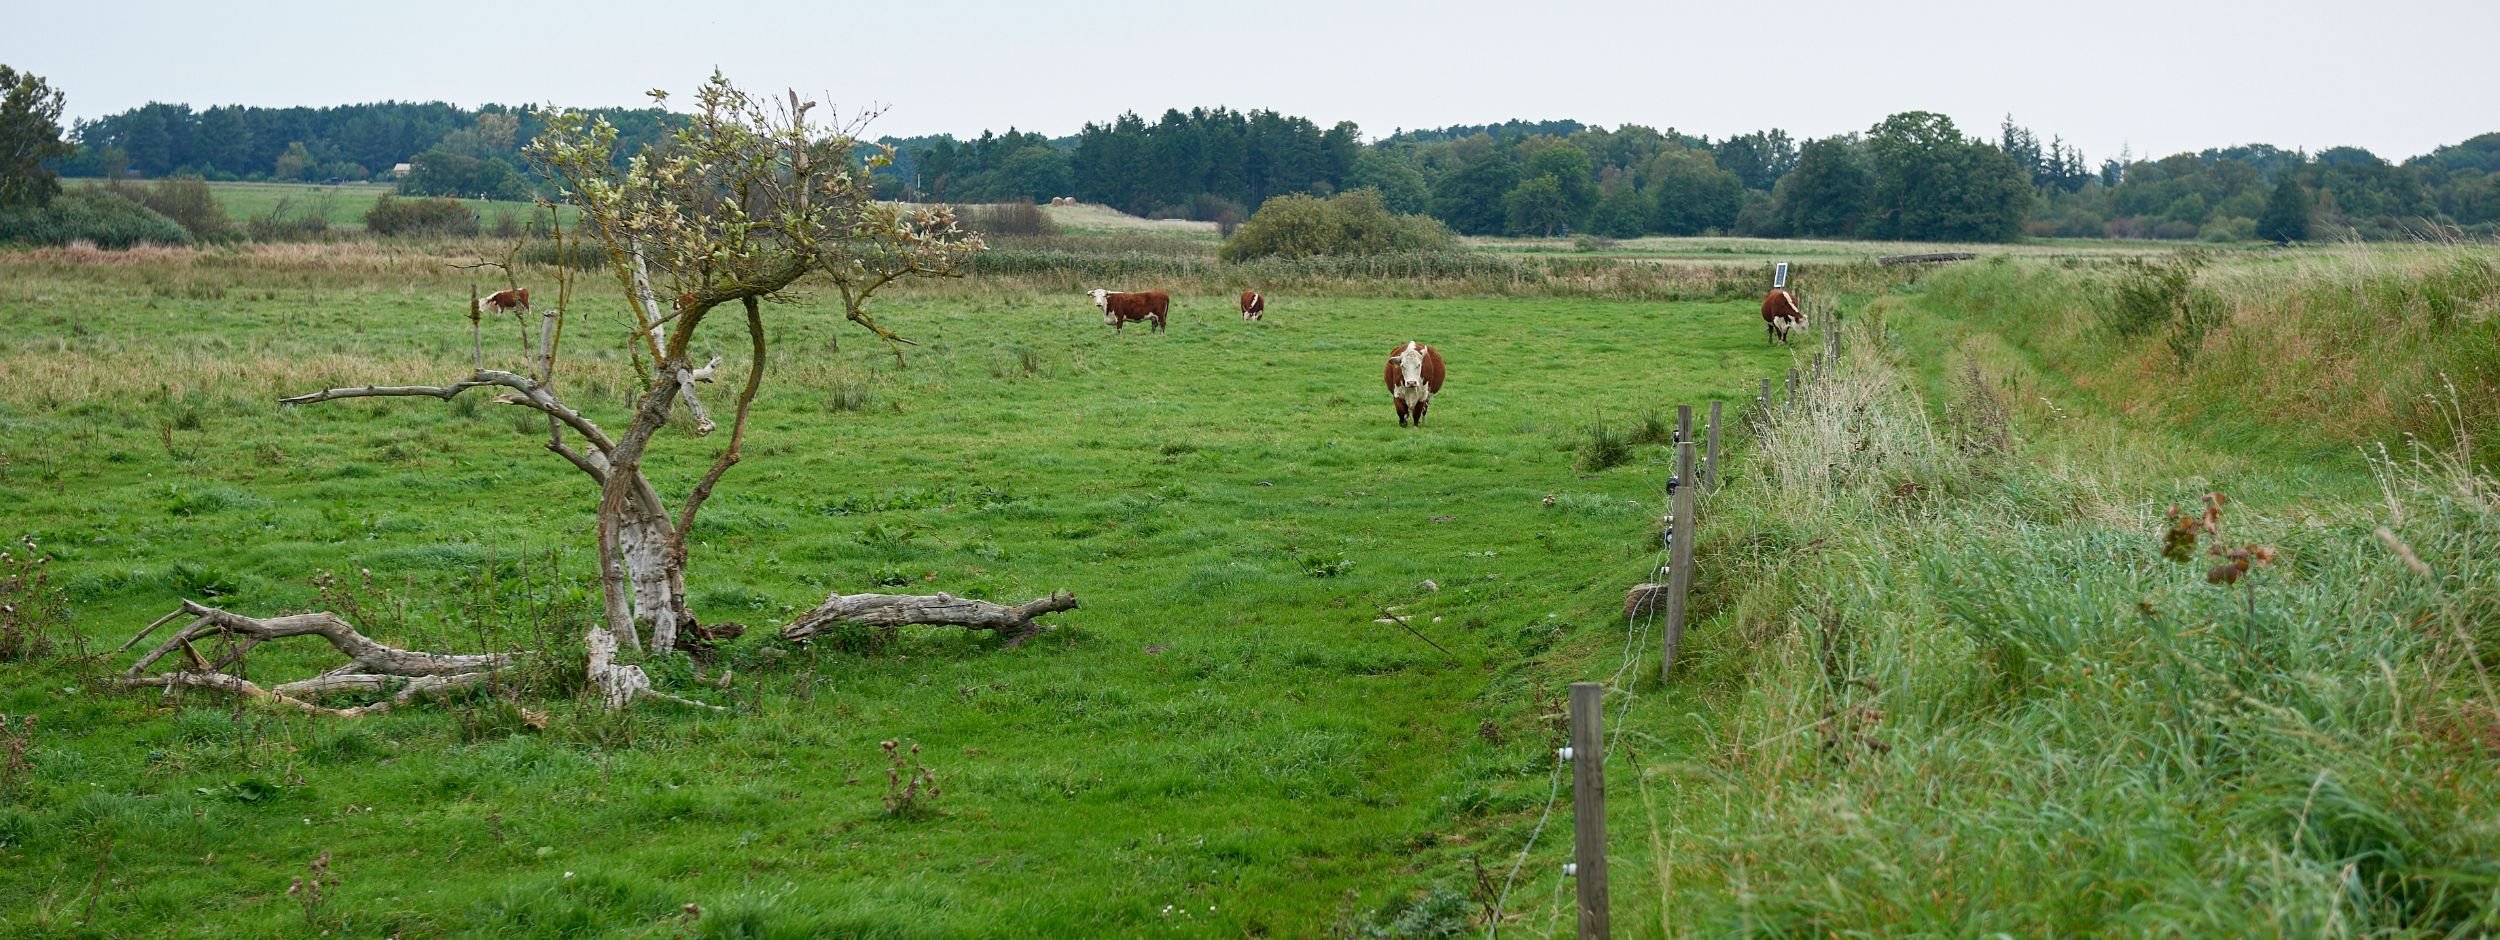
<point>1913,175</point>
<point>450,151</point>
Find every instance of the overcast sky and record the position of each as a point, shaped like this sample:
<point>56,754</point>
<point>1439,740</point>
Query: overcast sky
<point>2396,76</point>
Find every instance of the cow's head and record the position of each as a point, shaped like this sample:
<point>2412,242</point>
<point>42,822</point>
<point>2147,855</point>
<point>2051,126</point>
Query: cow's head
<point>1410,362</point>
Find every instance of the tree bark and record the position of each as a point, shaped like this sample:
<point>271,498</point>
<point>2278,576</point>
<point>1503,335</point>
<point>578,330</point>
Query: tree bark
<point>895,610</point>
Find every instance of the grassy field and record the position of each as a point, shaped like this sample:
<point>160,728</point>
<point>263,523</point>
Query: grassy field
<point>1223,741</point>
<point>343,206</point>
<point>1941,681</point>
<point>1100,220</point>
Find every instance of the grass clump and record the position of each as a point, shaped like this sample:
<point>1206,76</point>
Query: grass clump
<point>1603,447</point>
<point>435,216</point>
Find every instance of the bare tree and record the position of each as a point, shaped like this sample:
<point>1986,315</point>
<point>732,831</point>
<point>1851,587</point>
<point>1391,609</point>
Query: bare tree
<point>730,211</point>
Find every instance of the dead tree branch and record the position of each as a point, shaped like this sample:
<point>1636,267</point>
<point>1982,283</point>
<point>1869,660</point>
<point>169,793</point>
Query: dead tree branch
<point>891,611</point>
<point>372,666</point>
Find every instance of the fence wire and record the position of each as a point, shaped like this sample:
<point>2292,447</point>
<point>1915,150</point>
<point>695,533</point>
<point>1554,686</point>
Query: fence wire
<point>1636,627</point>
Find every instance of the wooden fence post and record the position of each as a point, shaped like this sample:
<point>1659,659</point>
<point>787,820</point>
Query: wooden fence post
<point>1818,367</point>
<point>1679,559</point>
<point>1710,449</point>
<point>1792,386</point>
<point>1763,402</point>
<point>1683,423</point>
<point>1588,807</point>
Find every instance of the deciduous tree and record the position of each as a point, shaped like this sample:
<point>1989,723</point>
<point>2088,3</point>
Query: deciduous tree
<point>2286,218</point>
<point>1932,184</point>
<point>1827,194</point>
<point>730,212</point>
<point>30,136</point>
<point>1690,194</point>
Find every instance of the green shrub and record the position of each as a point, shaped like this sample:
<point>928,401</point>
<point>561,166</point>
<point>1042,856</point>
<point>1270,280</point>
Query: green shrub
<point>1355,223</point>
<point>2230,229</point>
<point>393,216</point>
<point>284,222</point>
<point>184,199</point>
<point>90,215</point>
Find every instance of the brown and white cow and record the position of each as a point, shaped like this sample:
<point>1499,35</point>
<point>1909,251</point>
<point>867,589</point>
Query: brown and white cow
<point>1120,307</point>
<point>1414,374</point>
<point>1253,306</point>
<point>1781,315</point>
<point>505,301</point>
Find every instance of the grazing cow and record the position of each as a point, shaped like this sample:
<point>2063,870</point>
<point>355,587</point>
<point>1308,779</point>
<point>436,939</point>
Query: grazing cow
<point>1414,374</point>
<point>504,301</point>
<point>1781,316</point>
<point>1120,307</point>
<point>1253,306</point>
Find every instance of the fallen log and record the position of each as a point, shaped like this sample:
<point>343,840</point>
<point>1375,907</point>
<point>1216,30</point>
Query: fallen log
<point>371,666</point>
<point>891,611</point>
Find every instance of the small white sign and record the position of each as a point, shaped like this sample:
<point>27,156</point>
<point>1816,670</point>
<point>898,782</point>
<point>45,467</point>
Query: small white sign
<point>1779,275</point>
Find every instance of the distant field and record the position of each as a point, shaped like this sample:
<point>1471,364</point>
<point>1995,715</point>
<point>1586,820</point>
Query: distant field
<point>343,205</point>
<point>1091,219</point>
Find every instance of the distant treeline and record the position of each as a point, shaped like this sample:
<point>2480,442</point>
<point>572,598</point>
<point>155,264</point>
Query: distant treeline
<point>1912,176</point>
<point>451,151</point>
<point>1212,164</point>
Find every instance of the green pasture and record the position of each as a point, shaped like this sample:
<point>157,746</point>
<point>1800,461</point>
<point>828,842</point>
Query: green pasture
<point>344,205</point>
<point>1222,741</point>
<point>1940,679</point>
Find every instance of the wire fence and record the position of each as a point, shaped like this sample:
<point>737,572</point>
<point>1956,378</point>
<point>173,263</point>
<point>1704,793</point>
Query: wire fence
<point>1641,613</point>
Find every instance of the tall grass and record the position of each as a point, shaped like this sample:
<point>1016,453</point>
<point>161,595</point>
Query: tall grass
<point>1959,693</point>
<point>2341,346</point>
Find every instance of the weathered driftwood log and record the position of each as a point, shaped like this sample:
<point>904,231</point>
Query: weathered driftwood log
<point>895,610</point>
<point>292,694</point>
<point>371,666</point>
